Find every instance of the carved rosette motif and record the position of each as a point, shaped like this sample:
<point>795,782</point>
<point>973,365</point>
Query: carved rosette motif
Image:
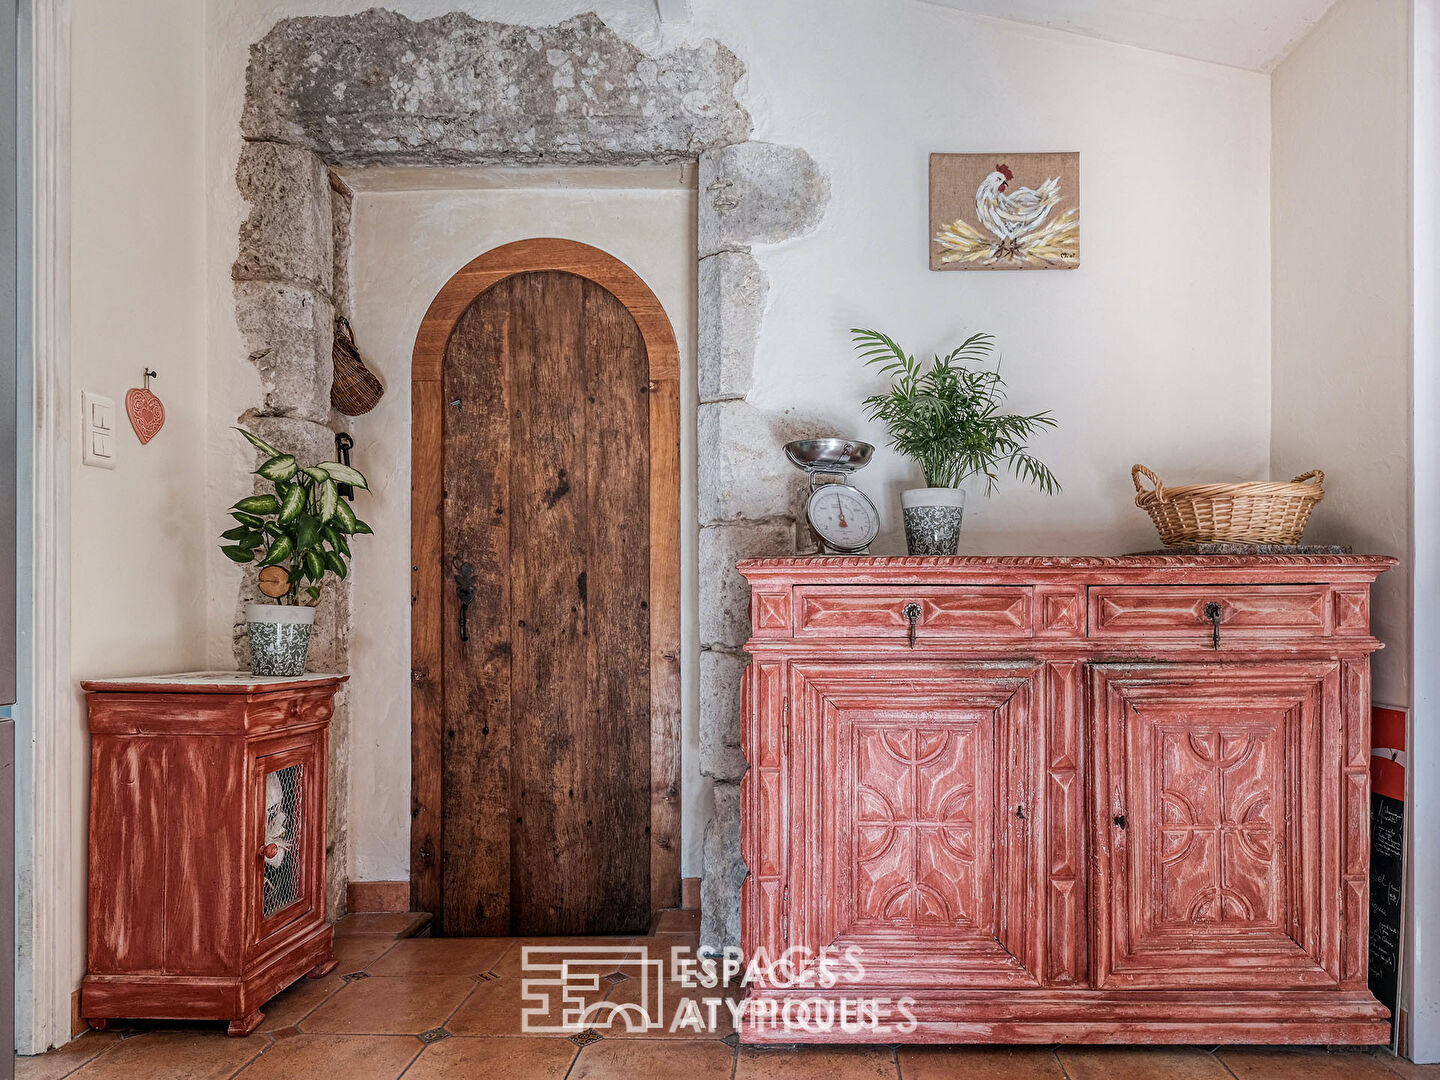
<point>915,824</point>
<point>1219,850</point>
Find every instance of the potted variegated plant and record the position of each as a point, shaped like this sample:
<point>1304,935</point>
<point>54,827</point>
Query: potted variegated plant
<point>298,535</point>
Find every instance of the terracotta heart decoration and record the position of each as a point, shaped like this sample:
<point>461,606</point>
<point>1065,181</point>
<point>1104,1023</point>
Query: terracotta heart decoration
<point>147,412</point>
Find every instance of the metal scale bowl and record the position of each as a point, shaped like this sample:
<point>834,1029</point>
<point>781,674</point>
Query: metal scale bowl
<point>841,518</point>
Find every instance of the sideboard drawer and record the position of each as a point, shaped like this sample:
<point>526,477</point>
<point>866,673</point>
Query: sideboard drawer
<point>955,611</point>
<point>1182,611</point>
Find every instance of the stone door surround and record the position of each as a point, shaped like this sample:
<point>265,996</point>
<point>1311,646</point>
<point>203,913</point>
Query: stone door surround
<point>380,89</point>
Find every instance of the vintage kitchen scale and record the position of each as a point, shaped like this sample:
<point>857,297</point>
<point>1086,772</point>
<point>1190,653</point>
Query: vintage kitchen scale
<point>841,518</point>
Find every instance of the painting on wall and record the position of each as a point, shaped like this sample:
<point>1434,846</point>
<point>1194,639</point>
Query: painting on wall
<point>1004,211</point>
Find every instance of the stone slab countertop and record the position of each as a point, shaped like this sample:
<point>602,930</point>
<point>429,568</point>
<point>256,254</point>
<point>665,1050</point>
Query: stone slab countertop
<point>1252,549</point>
<point>207,682</point>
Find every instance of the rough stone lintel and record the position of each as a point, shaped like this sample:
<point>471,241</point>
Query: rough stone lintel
<point>380,88</point>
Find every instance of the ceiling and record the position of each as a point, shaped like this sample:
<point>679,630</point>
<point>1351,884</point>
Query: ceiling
<point>1252,34</point>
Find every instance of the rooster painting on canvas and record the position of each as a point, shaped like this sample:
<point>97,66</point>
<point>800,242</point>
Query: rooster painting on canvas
<point>1004,212</point>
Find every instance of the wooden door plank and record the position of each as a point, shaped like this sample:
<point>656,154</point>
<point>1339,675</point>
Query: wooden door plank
<point>615,743</point>
<point>547,504</point>
<point>476,770</point>
<point>427,682</point>
<point>664,499</point>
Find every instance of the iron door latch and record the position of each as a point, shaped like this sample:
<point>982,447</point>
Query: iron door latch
<point>465,595</point>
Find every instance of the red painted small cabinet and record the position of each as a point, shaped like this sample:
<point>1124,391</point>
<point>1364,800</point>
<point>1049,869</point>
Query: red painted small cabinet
<point>1064,799</point>
<point>207,844</point>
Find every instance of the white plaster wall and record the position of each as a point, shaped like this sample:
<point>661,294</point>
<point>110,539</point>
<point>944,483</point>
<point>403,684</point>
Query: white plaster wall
<point>138,251</point>
<point>1341,368</point>
<point>1340,374</point>
<point>407,244</point>
<point>1155,350</point>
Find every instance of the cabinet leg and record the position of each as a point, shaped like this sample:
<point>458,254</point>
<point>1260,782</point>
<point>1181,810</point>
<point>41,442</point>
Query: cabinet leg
<point>99,1023</point>
<point>320,970</point>
<point>245,1025</point>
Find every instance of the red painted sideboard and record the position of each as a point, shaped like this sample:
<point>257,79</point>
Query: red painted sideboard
<point>207,844</point>
<point>1064,799</point>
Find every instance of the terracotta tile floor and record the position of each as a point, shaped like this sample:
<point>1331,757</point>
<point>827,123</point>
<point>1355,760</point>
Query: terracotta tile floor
<point>449,1009</point>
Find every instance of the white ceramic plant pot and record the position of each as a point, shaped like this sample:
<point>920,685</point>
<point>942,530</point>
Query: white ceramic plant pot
<point>279,638</point>
<point>932,519</point>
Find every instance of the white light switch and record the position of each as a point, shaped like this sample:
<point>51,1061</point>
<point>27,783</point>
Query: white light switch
<point>97,441</point>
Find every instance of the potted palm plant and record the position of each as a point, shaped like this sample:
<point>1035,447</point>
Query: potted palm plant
<point>297,534</point>
<point>948,419</point>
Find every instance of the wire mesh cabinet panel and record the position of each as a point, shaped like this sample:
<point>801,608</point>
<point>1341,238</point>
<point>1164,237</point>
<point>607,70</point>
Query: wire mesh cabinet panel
<point>286,781</point>
<point>207,844</point>
<point>284,880</point>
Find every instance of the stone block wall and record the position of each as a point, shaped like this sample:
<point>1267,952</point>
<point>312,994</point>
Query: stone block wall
<point>377,88</point>
<point>750,193</point>
<point>284,284</point>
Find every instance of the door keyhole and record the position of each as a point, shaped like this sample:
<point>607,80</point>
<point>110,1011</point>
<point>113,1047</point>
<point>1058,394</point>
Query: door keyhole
<point>912,612</point>
<point>1212,612</point>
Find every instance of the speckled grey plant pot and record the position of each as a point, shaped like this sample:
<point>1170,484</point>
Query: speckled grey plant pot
<point>279,638</point>
<point>932,519</point>
<point>933,530</point>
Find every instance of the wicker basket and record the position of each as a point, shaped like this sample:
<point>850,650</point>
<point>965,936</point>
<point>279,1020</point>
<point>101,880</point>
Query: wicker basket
<point>1250,513</point>
<point>354,389</point>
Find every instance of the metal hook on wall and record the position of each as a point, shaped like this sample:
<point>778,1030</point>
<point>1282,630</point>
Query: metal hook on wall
<point>343,445</point>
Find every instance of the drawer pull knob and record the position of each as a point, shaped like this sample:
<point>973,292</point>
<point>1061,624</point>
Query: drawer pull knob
<point>1212,612</point>
<point>269,851</point>
<point>912,612</point>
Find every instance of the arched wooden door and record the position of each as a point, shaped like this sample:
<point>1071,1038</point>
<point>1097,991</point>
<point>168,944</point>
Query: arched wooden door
<point>545,635</point>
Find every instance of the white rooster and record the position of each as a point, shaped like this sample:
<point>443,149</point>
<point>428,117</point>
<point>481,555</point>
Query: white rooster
<point>1015,214</point>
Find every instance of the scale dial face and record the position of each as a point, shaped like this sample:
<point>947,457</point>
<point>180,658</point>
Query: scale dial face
<point>842,517</point>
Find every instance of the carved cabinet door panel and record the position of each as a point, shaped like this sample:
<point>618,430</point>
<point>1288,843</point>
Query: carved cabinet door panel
<point>911,820</point>
<point>1218,821</point>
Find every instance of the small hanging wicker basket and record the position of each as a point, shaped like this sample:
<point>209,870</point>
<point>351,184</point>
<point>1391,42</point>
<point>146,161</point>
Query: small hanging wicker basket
<point>354,389</point>
<point>1249,513</point>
